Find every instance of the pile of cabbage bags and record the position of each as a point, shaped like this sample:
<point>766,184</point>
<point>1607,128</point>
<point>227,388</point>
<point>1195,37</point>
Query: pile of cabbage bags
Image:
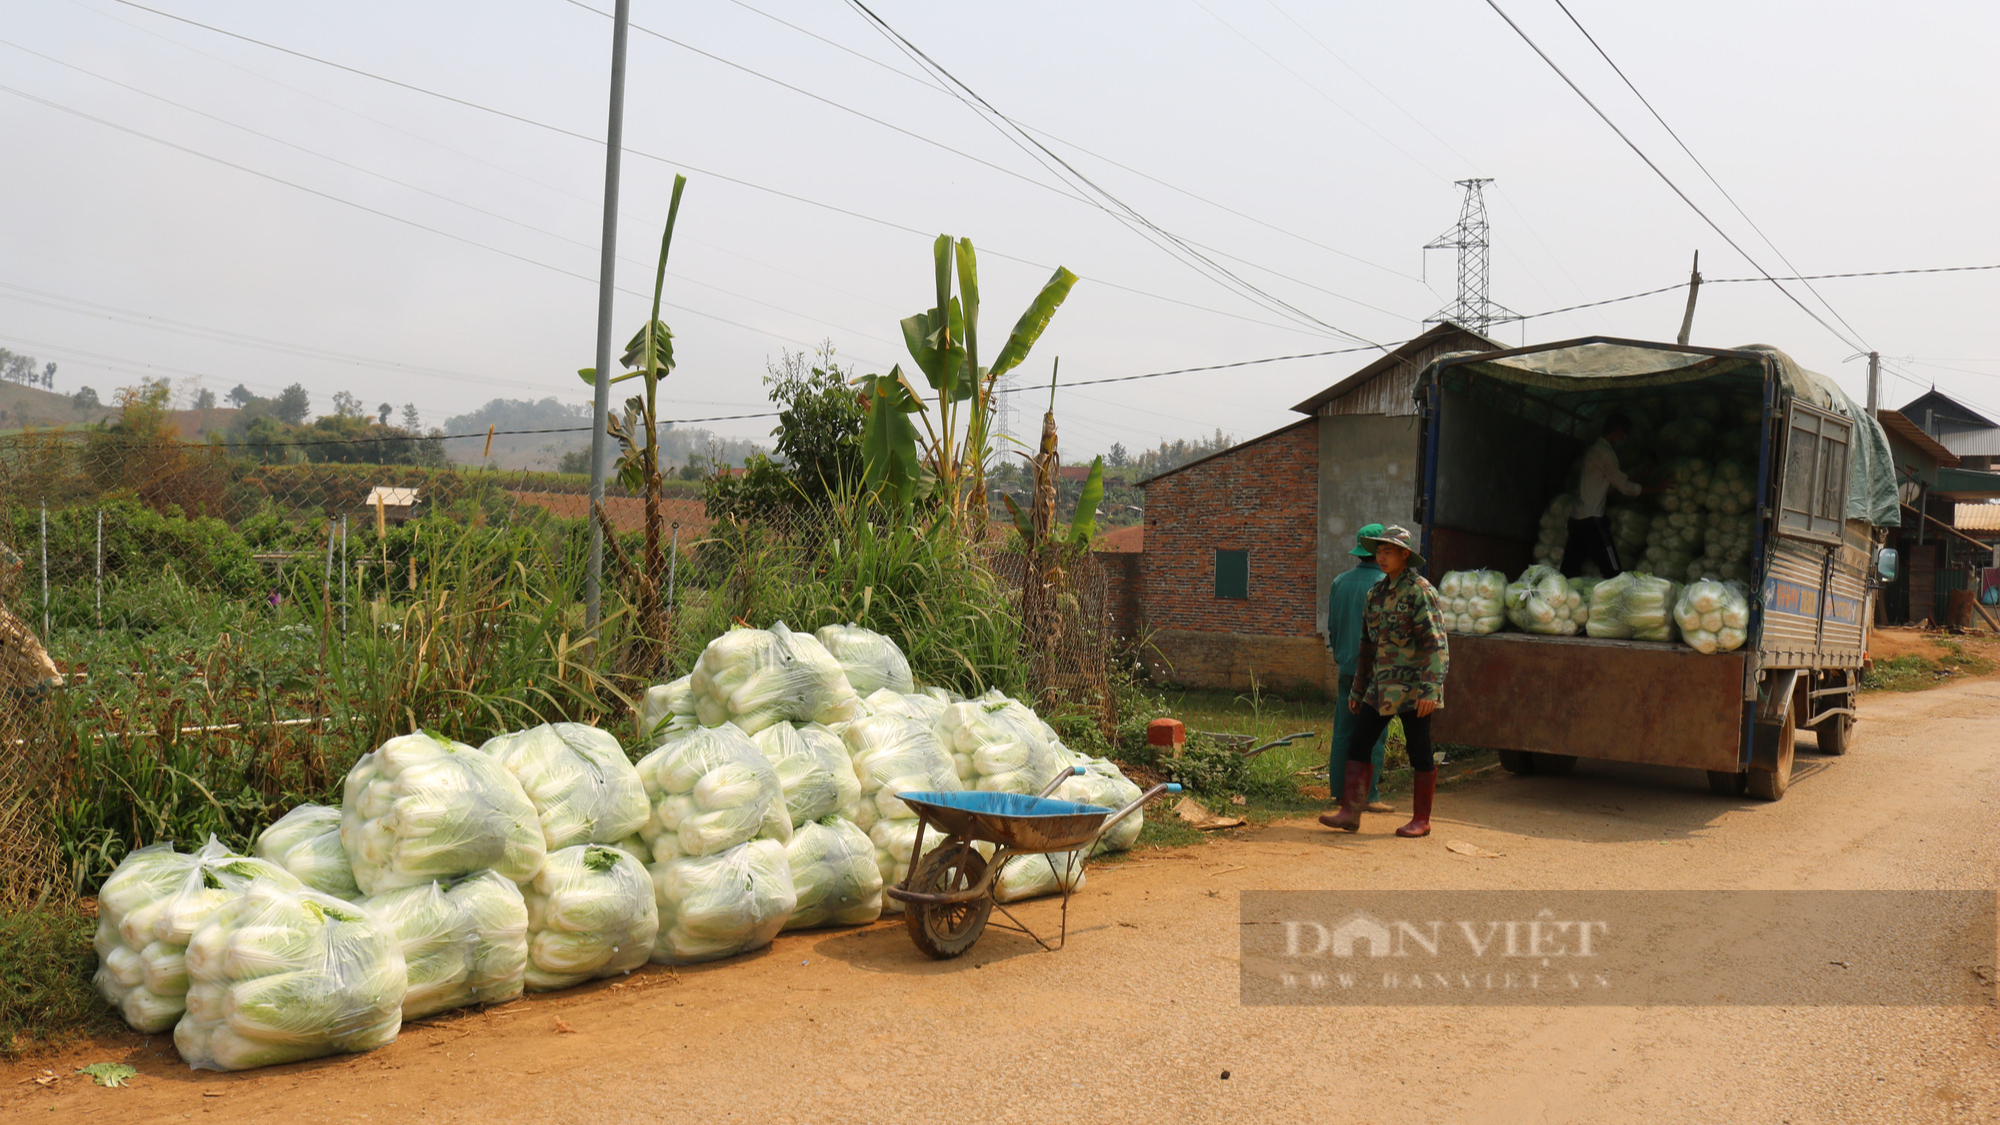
<point>280,974</point>
<point>1542,601</point>
<point>895,843</point>
<point>998,745</point>
<point>1672,543</point>
<point>1031,876</point>
<point>1552,535</point>
<point>1473,601</point>
<point>464,941</point>
<point>710,790</point>
<point>922,706</point>
<point>872,661</point>
<point>147,913</point>
<point>306,842</point>
<point>892,755</point>
<point>1714,616</point>
<point>579,780</point>
<point>834,875</point>
<point>720,905</point>
<point>591,914</point>
<point>756,677</point>
<point>813,770</point>
<point>423,808</point>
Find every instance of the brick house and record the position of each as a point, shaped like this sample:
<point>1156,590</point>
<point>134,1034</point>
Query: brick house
<point>1240,546</point>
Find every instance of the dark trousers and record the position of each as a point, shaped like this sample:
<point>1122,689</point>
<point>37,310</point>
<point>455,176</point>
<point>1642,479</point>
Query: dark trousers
<point>1369,726</point>
<point>1590,538</point>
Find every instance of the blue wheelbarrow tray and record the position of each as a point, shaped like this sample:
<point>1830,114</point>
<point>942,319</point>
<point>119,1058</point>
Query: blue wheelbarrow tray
<point>1022,824</point>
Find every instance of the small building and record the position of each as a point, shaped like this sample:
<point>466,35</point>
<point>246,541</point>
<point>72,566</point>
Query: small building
<point>1971,437</point>
<point>1240,546</point>
<point>397,504</point>
<point>1938,556</point>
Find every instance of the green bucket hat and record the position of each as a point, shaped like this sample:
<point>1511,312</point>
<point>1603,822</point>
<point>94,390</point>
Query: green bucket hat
<point>1362,547</point>
<point>1398,537</point>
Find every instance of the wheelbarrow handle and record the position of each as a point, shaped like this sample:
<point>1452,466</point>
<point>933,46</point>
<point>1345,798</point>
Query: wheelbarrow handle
<point>1073,771</point>
<point>1128,810</point>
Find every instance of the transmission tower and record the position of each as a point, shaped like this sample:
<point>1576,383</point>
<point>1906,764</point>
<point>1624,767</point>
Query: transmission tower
<point>1474,308</point>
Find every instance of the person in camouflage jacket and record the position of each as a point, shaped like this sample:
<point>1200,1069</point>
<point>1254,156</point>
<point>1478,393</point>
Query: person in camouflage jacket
<point>1400,674</point>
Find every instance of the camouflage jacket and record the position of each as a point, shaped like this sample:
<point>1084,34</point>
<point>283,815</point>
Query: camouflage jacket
<point>1403,652</point>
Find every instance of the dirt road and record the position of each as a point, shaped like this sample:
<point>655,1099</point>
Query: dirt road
<point>1138,1018</point>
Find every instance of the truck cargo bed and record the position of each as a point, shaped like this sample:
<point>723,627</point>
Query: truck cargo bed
<point>1626,701</point>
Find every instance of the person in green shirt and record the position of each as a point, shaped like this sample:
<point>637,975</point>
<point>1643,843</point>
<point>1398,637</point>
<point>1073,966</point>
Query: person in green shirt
<point>1344,602</point>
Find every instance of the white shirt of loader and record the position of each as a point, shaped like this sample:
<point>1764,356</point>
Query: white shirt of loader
<point>1600,475</point>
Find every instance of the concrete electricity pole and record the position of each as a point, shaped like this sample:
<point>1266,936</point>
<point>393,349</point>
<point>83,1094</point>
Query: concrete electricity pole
<point>1874,383</point>
<point>614,145</point>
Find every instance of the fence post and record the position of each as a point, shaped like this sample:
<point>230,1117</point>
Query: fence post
<point>47,636</point>
<point>100,572</point>
<point>343,574</point>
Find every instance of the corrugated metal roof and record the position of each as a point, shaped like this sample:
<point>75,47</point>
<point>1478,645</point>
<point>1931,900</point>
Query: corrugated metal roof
<point>1898,425</point>
<point>1977,517</point>
<point>1411,351</point>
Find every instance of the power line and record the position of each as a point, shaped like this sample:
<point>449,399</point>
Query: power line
<point>1697,163</point>
<point>671,162</point>
<point>933,86</point>
<point>1666,179</point>
<point>1166,240</point>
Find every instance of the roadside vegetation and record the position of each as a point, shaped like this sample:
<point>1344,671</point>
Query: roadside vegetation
<point>1950,659</point>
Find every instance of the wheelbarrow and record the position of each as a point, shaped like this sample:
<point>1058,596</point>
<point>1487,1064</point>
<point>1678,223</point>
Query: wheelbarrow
<point>948,894</point>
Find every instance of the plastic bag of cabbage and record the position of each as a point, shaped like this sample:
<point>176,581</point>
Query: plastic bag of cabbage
<point>1542,601</point>
<point>665,708</point>
<point>813,769</point>
<point>579,780</point>
<point>998,745</point>
<point>872,661</point>
<point>1105,786</point>
<point>306,842</point>
<point>1474,601</point>
<point>423,807</point>
<point>463,942</point>
<point>1032,876</point>
<point>591,914</point>
<point>148,911</point>
<point>756,677</point>
<point>1552,535</point>
<point>282,974</point>
<point>1714,616</point>
<point>720,905</point>
<point>1649,607</point>
<point>894,755</point>
<point>924,707</point>
<point>711,789</point>
<point>834,875</point>
<point>895,842</point>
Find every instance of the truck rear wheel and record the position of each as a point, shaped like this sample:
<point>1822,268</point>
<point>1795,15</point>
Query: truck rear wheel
<point>1521,763</point>
<point>1771,757</point>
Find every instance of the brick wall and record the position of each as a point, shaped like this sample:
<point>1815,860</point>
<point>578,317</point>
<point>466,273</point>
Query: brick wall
<point>1122,577</point>
<point>1261,497</point>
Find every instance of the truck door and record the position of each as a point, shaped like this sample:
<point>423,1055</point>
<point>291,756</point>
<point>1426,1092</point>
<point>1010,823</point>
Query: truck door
<point>1811,516</point>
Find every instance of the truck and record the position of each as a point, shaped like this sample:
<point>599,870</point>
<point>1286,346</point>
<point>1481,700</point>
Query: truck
<point>1501,432</point>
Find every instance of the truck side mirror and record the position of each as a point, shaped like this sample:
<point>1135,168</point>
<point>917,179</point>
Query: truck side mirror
<point>1885,563</point>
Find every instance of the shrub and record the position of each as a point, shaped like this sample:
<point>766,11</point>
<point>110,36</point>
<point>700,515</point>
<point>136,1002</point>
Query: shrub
<point>45,966</point>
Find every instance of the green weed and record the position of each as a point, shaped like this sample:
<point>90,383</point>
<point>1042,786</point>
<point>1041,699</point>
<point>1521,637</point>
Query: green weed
<point>45,965</point>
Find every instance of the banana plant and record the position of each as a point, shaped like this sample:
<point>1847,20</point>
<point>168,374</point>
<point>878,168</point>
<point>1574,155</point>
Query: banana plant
<point>650,355</point>
<point>905,464</point>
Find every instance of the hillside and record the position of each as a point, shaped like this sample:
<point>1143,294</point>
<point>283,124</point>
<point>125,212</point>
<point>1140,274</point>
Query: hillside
<point>22,406</point>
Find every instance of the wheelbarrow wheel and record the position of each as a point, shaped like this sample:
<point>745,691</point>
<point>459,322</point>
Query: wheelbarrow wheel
<point>945,930</point>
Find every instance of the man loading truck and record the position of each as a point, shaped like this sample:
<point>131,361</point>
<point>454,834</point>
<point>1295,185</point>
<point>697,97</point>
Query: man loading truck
<point>1589,532</point>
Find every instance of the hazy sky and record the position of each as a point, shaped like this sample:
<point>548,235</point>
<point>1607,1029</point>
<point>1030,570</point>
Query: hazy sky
<point>1858,136</point>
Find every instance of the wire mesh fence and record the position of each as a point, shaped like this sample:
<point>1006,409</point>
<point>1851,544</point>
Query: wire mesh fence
<point>226,636</point>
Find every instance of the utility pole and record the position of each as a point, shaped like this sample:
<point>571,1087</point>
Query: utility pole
<point>1694,287</point>
<point>1874,383</point>
<point>614,144</point>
